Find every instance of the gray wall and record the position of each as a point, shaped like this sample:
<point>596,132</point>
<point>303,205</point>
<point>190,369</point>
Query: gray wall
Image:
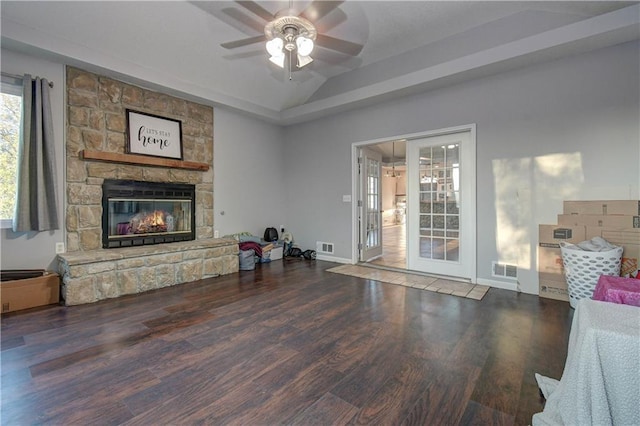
<point>566,129</point>
<point>249,174</point>
<point>36,250</point>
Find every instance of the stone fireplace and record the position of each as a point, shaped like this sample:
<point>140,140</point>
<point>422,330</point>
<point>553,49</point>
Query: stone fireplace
<point>96,154</point>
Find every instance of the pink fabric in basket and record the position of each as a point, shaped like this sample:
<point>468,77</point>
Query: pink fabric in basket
<point>625,291</point>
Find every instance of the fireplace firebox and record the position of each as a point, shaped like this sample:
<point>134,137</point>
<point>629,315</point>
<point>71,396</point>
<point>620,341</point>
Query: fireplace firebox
<point>138,213</point>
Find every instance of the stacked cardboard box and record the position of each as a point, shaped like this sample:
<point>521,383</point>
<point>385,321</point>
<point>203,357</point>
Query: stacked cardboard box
<point>618,222</point>
<point>552,283</point>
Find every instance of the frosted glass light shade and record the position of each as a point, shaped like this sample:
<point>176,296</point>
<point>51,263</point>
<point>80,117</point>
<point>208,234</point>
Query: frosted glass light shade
<point>278,60</point>
<point>304,60</point>
<point>304,45</point>
<point>274,47</point>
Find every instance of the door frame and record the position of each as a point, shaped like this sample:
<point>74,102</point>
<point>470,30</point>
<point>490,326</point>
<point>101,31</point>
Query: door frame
<point>471,128</point>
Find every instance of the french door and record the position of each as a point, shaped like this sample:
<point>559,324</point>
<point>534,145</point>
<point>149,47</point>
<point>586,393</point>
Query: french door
<point>441,203</point>
<point>370,204</point>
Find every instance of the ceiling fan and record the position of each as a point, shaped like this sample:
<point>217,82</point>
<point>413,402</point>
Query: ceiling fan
<point>289,34</point>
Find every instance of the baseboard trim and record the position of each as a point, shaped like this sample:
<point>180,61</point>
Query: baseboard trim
<point>334,259</point>
<point>498,284</point>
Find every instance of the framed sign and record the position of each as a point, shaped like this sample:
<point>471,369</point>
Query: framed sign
<point>153,135</point>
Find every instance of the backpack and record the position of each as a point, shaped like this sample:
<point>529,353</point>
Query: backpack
<point>270,235</point>
<point>294,252</point>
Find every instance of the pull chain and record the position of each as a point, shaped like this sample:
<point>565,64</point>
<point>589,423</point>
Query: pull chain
<point>290,8</point>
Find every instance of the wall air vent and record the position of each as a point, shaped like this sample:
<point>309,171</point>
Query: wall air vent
<point>325,248</point>
<point>504,270</point>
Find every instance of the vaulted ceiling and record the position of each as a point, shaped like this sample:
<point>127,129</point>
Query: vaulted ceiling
<point>408,47</point>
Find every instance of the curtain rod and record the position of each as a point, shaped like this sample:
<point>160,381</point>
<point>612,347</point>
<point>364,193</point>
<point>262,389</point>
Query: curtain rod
<point>21,77</point>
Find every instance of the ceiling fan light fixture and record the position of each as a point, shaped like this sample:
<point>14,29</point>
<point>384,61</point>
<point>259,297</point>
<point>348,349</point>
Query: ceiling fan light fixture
<point>293,34</point>
<point>290,32</point>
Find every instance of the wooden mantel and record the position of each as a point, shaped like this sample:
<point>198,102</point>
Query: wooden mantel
<point>143,160</point>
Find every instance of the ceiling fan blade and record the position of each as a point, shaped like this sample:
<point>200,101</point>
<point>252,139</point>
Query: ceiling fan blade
<point>245,55</point>
<point>255,8</point>
<point>243,42</point>
<point>244,19</point>
<point>343,46</point>
<point>319,8</point>
<point>333,57</point>
<point>331,21</point>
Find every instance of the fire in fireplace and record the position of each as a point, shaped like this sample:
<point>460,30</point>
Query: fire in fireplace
<point>138,213</point>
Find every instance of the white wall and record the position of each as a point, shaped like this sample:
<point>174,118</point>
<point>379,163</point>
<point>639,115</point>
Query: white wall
<point>566,129</point>
<point>249,174</point>
<point>36,250</point>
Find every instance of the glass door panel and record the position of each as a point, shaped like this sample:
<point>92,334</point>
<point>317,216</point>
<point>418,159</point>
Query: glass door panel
<point>441,235</point>
<point>371,205</point>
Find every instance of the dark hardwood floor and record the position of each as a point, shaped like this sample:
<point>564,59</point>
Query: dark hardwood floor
<point>288,343</point>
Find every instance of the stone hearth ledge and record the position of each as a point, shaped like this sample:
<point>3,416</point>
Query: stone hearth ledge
<point>95,275</point>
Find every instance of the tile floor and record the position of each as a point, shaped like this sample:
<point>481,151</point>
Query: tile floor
<point>439,285</point>
<point>394,242</point>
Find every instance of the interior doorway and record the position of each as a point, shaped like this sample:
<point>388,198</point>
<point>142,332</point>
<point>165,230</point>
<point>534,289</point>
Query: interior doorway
<point>392,203</point>
<point>424,199</point>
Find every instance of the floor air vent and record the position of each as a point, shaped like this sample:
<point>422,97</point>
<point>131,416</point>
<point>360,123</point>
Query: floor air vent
<point>504,270</point>
<point>326,248</point>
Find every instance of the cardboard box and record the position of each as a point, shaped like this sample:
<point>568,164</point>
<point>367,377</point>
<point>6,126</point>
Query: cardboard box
<point>553,289</point>
<point>551,281</point>
<point>549,256</point>
<point>552,235</point>
<point>550,263</point>
<point>30,292</point>
<point>628,239</point>
<point>603,207</point>
<point>608,221</point>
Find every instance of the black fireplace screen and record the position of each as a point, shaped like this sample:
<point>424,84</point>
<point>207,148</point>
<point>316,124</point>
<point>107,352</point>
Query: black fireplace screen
<point>141,213</point>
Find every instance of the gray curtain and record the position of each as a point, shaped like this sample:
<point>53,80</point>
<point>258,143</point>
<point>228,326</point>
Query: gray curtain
<point>36,203</point>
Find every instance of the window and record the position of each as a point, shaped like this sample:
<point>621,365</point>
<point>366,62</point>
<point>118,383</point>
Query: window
<point>10,115</point>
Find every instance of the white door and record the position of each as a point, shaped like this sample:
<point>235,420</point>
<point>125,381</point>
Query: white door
<point>370,204</point>
<point>441,204</point>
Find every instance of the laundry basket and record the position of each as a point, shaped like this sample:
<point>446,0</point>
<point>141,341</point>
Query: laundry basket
<point>582,269</point>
